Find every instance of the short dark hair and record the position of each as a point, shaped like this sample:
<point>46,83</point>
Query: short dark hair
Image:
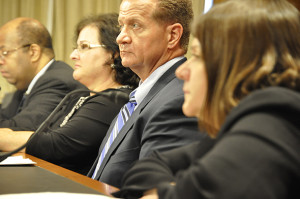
<point>176,11</point>
<point>108,29</point>
<point>31,31</point>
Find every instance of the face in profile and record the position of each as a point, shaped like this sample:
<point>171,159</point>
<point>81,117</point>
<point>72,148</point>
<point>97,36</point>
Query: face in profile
<point>142,40</point>
<point>15,64</point>
<point>195,81</point>
<point>92,62</point>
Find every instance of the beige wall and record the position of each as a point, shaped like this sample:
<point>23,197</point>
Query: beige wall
<point>60,17</point>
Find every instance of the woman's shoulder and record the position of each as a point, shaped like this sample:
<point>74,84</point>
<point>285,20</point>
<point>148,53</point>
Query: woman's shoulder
<point>265,110</point>
<point>118,95</point>
<point>269,100</point>
<point>270,114</point>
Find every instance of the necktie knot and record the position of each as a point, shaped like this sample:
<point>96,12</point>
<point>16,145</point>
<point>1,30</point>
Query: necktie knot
<point>132,98</point>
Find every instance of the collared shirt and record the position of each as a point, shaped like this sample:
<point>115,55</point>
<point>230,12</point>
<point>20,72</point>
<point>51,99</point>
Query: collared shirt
<point>35,79</point>
<point>144,87</point>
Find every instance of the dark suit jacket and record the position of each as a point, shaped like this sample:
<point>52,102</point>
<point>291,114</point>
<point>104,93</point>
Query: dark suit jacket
<point>48,91</point>
<point>256,155</point>
<point>157,124</point>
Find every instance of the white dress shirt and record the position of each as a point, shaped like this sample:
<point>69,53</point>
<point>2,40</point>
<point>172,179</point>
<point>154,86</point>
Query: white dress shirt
<point>144,87</point>
<point>35,79</point>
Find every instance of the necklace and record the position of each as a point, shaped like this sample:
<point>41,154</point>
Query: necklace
<point>75,107</point>
<point>124,86</point>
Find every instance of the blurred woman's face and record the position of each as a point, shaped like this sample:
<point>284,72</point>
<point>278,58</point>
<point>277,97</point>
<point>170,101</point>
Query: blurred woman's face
<point>195,81</point>
<point>91,60</point>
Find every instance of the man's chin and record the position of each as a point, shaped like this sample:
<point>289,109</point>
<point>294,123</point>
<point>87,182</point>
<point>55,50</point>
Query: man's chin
<point>126,63</point>
<point>11,82</point>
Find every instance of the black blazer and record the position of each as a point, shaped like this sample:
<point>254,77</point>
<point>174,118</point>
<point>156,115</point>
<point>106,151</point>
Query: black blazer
<point>48,91</point>
<point>157,124</point>
<point>75,145</point>
<point>256,155</point>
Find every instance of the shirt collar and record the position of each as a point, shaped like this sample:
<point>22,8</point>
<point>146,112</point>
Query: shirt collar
<point>35,79</point>
<point>145,86</point>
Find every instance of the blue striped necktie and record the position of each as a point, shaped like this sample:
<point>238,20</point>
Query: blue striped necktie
<point>123,116</point>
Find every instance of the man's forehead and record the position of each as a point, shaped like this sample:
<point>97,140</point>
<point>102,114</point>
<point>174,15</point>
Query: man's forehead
<point>126,2</point>
<point>8,39</point>
<point>136,7</point>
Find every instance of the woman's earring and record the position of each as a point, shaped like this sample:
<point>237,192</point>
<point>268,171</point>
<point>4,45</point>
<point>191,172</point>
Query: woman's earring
<point>113,66</point>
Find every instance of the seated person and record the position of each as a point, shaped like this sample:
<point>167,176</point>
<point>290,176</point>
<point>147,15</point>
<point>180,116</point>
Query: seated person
<point>74,134</point>
<point>27,62</point>
<point>243,84</point>
<point>153,41</point>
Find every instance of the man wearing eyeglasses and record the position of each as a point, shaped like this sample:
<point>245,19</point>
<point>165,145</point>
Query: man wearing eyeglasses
<point>27,62</point>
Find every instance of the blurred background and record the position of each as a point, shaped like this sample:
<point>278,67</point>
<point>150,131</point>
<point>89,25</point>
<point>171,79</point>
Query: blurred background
<point>60,17</point>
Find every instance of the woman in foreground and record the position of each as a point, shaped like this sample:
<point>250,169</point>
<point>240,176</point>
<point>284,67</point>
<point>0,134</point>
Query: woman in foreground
<point>243,83</point>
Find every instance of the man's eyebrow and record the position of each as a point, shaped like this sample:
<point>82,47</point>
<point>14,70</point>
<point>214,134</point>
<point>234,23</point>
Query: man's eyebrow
<point>127,20</point>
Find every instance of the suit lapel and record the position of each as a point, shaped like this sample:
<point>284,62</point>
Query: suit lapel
<point>90,174</point>
<point>161,83</point>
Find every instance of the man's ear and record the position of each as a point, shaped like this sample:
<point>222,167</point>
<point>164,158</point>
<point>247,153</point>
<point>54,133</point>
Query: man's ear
<point>175,32</point>
<point>35,52</point>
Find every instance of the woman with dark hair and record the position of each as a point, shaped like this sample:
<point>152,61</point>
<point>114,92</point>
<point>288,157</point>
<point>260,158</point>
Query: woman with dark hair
<point>106,29</point>
<point>73,135</point>
<point>242,83</point>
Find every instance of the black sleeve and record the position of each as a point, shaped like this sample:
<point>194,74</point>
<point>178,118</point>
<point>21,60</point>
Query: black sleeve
<point>161,167</point>
<point>10,109</point>
<point>261,163</point>
<point>80,136</point>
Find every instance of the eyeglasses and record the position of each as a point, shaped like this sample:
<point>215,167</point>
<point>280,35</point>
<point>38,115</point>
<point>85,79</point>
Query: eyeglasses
<point>83,47</point>
<point>5,53</point>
